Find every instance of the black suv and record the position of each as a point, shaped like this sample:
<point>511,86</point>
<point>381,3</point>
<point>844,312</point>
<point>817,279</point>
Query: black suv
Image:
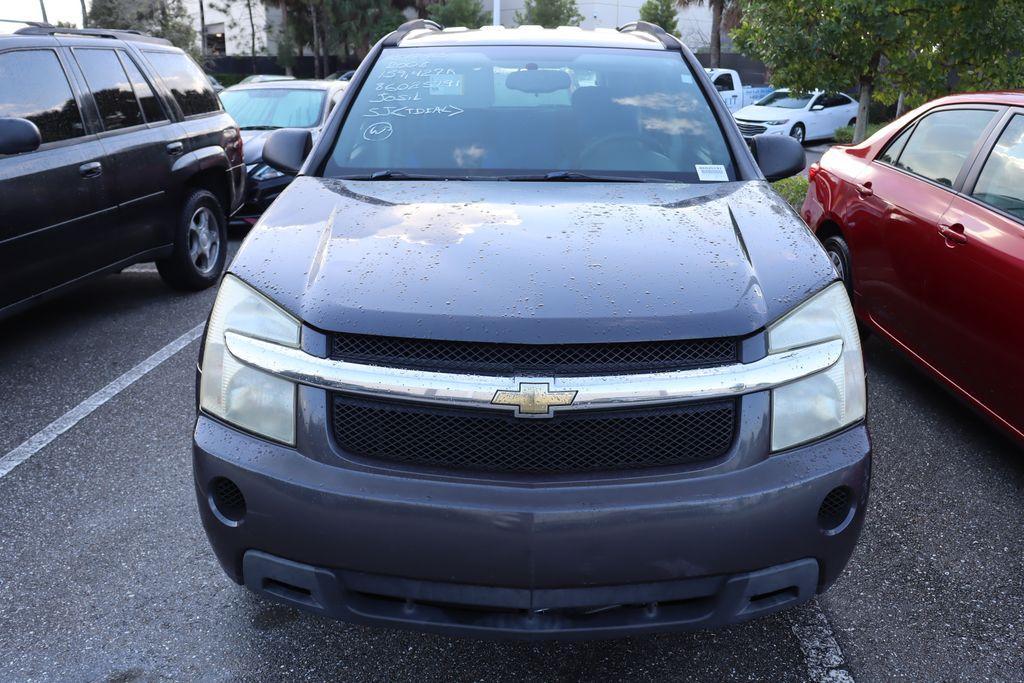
<point>114,150</point>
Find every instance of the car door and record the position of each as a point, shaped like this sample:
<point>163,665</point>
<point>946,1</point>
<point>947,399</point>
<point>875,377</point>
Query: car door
<point>904,194</point>
<point>836,113</point>
<point>978,254</point>
<point>54,199</point>
<point>141,144</point>
<point>727,88</point>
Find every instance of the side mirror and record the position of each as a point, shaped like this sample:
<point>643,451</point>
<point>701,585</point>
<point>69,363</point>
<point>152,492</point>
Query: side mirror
<point>818,107</point>
<point>287,148</point>
<point>18,136</point>
<point>778,156</point>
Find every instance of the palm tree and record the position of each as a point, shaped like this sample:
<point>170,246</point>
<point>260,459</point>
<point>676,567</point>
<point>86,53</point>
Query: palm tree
<point>725,14</point>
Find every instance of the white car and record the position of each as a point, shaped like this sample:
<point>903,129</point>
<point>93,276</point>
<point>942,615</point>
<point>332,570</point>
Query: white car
<point>804,116</point>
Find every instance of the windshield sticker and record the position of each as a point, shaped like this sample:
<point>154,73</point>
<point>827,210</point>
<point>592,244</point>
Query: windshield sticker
<point>448,109</point>
<point>378,130</point>
<point>446,85</point>
<point>711,172</point>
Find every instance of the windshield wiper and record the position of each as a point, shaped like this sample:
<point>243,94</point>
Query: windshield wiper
<point>388,174</point>
<point>259,127</point>
<point>575,176</point>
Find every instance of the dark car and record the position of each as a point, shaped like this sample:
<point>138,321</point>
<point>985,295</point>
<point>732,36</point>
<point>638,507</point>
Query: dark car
<point>925,222</point>
<point>114,150</point>
<point>261,108</point>
<point>530,348</point>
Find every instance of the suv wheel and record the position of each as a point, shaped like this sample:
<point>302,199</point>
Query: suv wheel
<point>200,244</point>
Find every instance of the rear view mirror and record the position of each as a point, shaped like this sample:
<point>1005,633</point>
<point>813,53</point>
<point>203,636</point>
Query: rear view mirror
<point>287,148</point>
<point>18,136</point>
<point>818,107</point>
<point>538,81</point>
<point>778,156</point>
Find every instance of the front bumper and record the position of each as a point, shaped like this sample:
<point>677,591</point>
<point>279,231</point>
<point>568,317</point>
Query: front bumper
<point>259,195</point>
<point>463,555</point>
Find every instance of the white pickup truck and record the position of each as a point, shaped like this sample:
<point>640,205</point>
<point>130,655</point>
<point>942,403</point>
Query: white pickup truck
<point>736,95</point>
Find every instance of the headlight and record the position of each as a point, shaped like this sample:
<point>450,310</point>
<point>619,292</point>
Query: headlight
<point>264,172</point>
<point>236,393</point>
<point>818,405</point>
<point>776,123</point>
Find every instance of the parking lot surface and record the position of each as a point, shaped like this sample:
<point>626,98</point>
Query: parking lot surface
<point>106,575</point>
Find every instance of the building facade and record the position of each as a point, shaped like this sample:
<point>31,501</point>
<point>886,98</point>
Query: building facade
<point>229,31</point>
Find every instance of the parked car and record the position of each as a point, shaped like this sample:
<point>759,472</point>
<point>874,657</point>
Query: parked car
<point>803,116</point>
<point>343,76</point>
<point>215,84</point>
<point>265,78</point>
<point>924,221</point>
<point>513,357</point>
<point>733,91</point>
<point>113,150</point>
<point>259,109</point>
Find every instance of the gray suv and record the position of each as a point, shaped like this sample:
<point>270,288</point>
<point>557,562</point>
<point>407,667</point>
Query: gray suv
<point>530,348</point>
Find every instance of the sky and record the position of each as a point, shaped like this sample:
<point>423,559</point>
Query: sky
<point>56,10</point>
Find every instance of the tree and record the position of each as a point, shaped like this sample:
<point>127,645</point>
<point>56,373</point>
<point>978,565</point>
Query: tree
<point>468,13</point>
<point>549,13</point>
<point>924,48</point>
<point>245,24</point>
<point>162,18</point>
<point>725,15</point>
<point>661,13</point>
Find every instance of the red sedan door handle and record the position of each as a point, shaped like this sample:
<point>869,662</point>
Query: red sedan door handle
<point>953,233</point>
<point>865,189</point>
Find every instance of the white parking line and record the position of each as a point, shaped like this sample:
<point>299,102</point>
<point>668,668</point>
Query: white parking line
<point>822,654</point>
<point>47,434</point>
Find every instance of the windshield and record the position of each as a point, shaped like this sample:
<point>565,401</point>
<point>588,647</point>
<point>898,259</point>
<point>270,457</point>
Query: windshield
<point>785,100</point>
<point>274,107</point>
<point>501,111</point>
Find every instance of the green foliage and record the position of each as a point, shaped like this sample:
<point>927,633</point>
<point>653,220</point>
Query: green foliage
<point>228,80</point>
<point>468,13</point>
<point>162,18</point>
<point>925,48</point>
<point>844,135</point>
<point>550,13</point>
<point>793,190</point>
<point>662,13</point>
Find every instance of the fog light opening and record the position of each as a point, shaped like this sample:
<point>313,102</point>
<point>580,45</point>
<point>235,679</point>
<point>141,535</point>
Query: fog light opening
<point>226,501</point>
<point>836,510</point>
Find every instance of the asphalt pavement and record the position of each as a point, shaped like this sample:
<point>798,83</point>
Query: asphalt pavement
<point>106,575</point>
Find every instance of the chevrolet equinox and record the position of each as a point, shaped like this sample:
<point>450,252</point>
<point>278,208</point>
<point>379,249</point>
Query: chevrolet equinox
<point>530,348</point>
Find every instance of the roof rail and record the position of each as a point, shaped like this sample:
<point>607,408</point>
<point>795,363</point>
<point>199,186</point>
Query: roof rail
<point>653,29</point>
<point>40,29</point>
<point>396,36</point>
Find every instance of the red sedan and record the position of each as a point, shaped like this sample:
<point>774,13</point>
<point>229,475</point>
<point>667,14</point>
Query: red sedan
<point>924,221</point>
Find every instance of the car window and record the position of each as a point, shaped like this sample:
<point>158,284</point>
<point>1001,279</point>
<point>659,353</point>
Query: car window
<point>785,100</point>
<point>1001,183</point>
<point>493,111</point>
<point>942,142</point>
<point>275,107</point>
<point>892,151</point>
<point>110,88</point>
<point>834,100</point>
<point>151,106</point>
<point>186,81</point>
<point>724,83</point>
<point>35,87</point>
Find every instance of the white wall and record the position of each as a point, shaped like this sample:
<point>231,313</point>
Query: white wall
<point>236,25</point>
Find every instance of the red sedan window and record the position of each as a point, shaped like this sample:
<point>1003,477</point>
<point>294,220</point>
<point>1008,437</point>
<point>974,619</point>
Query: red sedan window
<point>942,142</point>
<point>1001,183</point>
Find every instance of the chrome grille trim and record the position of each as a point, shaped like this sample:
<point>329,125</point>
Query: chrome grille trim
<point>478,391</point>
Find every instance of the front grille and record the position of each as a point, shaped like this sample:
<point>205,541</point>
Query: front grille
<point>492,441</point>
<point>750,129</point>
<point>545,360</point>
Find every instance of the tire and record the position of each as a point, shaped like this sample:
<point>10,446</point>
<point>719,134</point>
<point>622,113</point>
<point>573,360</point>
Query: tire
<point>200,244</point>
<point>853,122</point>
<point>839,254</point>
<point>798,133</point>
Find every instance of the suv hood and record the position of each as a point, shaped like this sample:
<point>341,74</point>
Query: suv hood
<point>525,262</point>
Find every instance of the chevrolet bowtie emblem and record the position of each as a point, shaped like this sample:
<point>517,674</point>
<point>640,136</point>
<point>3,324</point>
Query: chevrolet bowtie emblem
<point>533,399</point>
